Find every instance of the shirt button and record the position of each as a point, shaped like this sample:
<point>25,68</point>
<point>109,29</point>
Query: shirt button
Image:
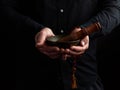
<point>61,10</point>
<point>62,31</point>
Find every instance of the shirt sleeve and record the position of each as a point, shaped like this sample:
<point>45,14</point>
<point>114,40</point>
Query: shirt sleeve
<point>108,16</point>
<point>11,15</point>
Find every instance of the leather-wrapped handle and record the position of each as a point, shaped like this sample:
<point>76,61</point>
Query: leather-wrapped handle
<point>82,33</point>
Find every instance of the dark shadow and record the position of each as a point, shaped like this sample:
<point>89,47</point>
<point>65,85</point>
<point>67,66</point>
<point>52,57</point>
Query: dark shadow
<point>109,56</point>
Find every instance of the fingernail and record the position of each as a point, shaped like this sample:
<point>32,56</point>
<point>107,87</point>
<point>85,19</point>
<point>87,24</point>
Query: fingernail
<point>83,43</point>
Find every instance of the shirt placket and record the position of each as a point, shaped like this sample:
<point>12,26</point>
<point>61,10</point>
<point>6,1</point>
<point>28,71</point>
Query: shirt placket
<point>61,19</point>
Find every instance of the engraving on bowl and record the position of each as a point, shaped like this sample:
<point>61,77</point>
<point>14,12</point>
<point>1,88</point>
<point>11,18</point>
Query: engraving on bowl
<point>54,38</point>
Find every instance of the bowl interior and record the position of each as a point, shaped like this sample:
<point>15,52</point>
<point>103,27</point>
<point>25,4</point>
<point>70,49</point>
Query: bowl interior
<point>53,41</point>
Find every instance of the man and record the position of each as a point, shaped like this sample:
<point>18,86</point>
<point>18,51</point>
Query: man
<point>46,68</point>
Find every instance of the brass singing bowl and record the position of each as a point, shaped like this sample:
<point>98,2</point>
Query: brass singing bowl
<point>54,41</point>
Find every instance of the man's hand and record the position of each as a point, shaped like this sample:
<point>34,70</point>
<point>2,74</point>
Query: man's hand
<point>76,50</point>
<point>51,51</point>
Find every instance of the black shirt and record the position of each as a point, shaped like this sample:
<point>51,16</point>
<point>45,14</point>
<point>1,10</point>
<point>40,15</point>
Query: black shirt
<point>62,16</point>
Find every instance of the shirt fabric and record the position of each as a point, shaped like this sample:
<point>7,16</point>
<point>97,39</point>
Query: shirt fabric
<point>62,16</point>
